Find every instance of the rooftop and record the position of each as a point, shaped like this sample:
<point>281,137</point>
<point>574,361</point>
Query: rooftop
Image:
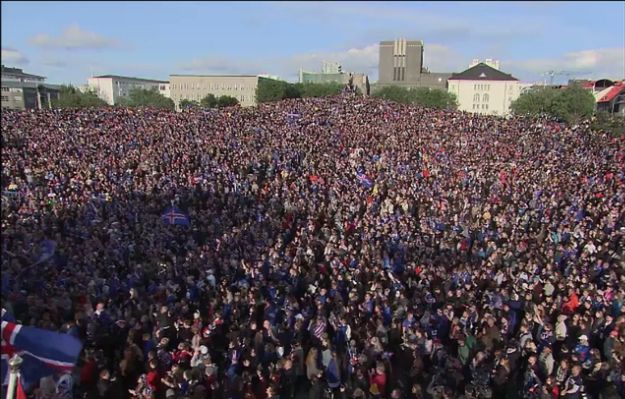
<point>18,71</point>
<point>482,72</point>
<point>128,78</point>
<point>216,76</point>
<point>609,94</point>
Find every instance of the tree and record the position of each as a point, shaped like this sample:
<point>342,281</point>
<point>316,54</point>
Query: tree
<point>423,96</point>
<point>188,104</point>
<point>321,89</point>
<point>70,97</point>
<point>270,90</point>
<point>209,101</point>
<point>571,105</point>
<point>610,123</point>
<point>149,98</point>
<point>227,101</point>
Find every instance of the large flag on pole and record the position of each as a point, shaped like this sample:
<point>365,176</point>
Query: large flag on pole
<point>43,352</point>
<point>175,216</point>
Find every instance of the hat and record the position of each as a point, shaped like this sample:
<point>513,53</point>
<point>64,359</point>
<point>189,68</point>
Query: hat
<point>203,350</point>
<point>170,393</point>
<point>583,337</point>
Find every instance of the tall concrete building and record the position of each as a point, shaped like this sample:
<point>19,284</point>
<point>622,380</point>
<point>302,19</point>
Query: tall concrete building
<point>401,64</point>
<point>22,90</point>
<point>111,88</point>
<point>196,87</point>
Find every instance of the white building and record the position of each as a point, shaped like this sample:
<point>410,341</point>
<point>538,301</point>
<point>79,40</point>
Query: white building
<point>485,90</point>
<point>111,88</point>
<point>196,87</point>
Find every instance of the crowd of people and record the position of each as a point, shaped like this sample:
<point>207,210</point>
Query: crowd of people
<point>337,248</point>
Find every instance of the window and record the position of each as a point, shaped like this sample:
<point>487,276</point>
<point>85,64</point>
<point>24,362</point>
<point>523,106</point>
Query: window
<point>476,97</point>
<point>485,98</point>
<point>5,89</point>
<point>5,98</point>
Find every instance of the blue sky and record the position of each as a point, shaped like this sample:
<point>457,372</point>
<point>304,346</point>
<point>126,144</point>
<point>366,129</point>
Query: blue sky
<point>70,41</point>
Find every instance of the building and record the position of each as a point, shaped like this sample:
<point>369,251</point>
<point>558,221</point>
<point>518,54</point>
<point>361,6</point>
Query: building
<point>331,67</point>
<point>332,72</point>
<point>196,87</point>
<point>484,89</point>
<point>401,64</point>
<point>111,88</point>
<point>22,90</point>
<point>609,94</point>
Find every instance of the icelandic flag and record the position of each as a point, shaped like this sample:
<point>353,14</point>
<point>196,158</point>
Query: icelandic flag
<point>364,180</point>
<point>43,352</point>
<point>175,216</point>
<point>6,316</point>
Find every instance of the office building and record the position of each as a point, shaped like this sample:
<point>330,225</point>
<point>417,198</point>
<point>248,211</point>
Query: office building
<point>332,72</point>
<point>484,89</point>
<point>22,90</point>
<point>111,88</point>
<point>401,64</point>
<point>196,87</point>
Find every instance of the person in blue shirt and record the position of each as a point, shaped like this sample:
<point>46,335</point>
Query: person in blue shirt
<point>582,349</point>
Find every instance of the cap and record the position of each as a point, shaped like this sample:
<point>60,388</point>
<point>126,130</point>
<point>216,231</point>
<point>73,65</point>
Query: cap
<point>203,350</point>
<point>583,337</point>
<point>170,393</point>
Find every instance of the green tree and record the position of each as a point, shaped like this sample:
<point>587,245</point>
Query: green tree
<point>610,123</point>
<point>70,97</point>
<point>321,89</point>
<point>209,101</point>
<point>393,93</point>
<point>536,101</point>
<point>149,98</point>
<point>425,97</point>
<point>571,105</point>
<point>189,104</point>
<point>270,90</point>
<point>227,101</point>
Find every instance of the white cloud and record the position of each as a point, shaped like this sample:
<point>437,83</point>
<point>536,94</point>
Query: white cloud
<point>73,38</point>
<point>597,63</point>
<point>12,56</point>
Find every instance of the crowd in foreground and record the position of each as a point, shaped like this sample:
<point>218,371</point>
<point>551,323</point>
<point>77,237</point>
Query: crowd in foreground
<point>340,247</point>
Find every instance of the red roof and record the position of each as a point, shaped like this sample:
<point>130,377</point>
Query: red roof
<point>614,91</point>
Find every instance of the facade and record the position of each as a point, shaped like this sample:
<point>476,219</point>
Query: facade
<point>25,91</point>
<point>196,87</point>
<point>111,88</point>
<point>333,73</point>
<point>485,90</point>
<point>401,64</point>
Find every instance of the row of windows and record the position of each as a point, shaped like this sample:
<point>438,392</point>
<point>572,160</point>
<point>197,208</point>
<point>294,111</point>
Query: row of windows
<point>477,106</point>
<point>483,87</point>
<point>210,86</point>
<point>399,73</point>
<point>5,98</point>
<point>5,89</point>
<point>199,97</point>
<point>476,98</point>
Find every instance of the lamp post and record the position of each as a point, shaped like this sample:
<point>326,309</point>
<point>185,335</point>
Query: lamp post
<point>14,366</point>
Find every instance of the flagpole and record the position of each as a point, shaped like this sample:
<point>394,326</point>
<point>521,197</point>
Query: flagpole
<point>14,365</point>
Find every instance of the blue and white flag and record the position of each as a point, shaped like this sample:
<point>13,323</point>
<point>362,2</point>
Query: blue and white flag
<point>364,180</point>
<point>175,216</point>
<point>43,352</point>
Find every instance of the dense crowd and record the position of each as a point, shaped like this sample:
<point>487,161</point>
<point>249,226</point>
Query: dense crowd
<point>341,247</point>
